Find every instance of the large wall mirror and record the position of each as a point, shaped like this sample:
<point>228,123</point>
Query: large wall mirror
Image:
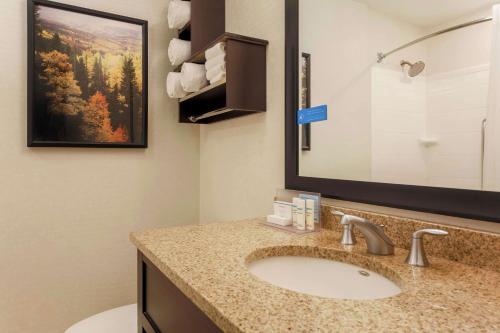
<point>412,89</point>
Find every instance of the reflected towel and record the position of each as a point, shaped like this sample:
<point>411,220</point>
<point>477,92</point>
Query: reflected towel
<point>179,13</point>
<point>220,59</point>
<point>179,51</point>
<point>193,77</point>
<point>174,87</point>
<point>214,71</point>
<point>216,50</point>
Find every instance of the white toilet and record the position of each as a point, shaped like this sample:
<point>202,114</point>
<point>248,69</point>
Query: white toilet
<point>117,320</point>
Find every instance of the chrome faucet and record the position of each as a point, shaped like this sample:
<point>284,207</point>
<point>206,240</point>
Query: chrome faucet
<point>376,239</point>
<point>417,256</point>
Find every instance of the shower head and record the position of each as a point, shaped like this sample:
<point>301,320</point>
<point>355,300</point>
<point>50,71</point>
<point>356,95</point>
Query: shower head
<point>414,69</point>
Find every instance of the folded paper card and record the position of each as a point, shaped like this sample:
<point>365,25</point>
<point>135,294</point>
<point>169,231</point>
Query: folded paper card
<point>309,115</point>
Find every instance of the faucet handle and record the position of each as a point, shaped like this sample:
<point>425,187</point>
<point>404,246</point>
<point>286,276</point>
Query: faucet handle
<point>346,218</point>
<point>417,256</point>
<point>435,232</point>
<point>347,229</point>
<point>337,213</point>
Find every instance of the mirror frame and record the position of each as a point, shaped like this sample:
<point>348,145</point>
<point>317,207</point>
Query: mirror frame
<point>482,205</point>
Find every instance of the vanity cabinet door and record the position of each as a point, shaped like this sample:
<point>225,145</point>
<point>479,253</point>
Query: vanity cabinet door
<point>163,308</point>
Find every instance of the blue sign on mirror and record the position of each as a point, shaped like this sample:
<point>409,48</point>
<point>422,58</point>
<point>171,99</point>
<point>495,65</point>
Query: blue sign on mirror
<point>309,115</point>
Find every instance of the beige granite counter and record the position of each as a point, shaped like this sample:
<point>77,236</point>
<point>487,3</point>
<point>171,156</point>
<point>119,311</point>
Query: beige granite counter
<point>207,262</point>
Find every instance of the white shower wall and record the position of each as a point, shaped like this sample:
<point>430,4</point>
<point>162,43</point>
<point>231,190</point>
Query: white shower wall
<point>456,106</point>
<point>448,107</point>
<point>398,112</point>
<point>452,97</point>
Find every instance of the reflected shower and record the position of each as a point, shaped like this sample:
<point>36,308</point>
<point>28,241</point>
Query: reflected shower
<point>414,69</point>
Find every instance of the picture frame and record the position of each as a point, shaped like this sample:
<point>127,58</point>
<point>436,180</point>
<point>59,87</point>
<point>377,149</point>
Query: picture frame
<point>87,78</point>
<point>305,98</point>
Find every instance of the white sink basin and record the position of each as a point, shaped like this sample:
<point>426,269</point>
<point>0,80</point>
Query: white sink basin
<point>324,278</point>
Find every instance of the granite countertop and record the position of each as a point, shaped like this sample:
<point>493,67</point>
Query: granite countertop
<point>208,264</point>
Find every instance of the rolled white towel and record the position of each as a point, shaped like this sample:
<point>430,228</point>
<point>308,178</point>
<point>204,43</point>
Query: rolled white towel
<point>179,51</point>
<point>179,13</point>
<point>174,87</point>
<point>216,70</point>
<point>216,50</point>
<point>219,77</point>
<point>193,77</point>
<point>220,59</point>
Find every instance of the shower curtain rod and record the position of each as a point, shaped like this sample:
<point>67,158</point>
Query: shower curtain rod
<point>381,55</point>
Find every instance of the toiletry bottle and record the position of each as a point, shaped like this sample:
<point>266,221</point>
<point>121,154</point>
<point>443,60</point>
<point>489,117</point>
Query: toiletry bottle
<point>300,213</point>
<point>294,213</point>
<point>310,214</point>
<point>283,209</point>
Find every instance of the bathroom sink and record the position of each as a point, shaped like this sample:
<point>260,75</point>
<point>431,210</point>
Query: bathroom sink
<point>323,277</point>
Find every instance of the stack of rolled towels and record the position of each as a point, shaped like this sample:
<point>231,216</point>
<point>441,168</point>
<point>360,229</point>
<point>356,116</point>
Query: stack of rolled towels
<point>191,78</point>
<point>179,51</point>
<point>215,64</point>
<point>174,86</point>
<point>179,13</point>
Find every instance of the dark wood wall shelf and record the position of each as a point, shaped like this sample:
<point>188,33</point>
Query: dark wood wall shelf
<point>199,56</point>
<point>243,91</point>
<point>208,21</point>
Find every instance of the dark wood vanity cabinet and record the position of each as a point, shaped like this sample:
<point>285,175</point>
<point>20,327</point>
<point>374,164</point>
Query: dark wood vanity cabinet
<point>162,307</point>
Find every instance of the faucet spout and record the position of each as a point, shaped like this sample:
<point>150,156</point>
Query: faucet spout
<point>376,240</point>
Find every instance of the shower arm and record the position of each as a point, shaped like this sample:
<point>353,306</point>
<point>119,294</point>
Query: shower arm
<point>381,56</point>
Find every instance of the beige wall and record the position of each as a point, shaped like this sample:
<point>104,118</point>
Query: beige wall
<point>242,160</point>
<point>65,214</point>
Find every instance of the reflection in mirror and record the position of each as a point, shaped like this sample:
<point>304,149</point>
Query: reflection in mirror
<point>410,101</point>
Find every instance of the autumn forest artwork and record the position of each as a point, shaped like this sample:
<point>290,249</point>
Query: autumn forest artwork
<point>87,80</point>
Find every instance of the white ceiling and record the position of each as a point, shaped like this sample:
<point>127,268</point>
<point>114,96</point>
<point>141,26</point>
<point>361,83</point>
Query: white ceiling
<point>428,13</point>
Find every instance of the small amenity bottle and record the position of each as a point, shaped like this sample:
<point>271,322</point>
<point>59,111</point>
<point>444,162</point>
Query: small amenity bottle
<point>294,213</point>
<point>300,208</point>
<point>310,214</point>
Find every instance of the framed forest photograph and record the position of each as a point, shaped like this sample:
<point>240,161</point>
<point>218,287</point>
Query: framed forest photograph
<point>87,78</point>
